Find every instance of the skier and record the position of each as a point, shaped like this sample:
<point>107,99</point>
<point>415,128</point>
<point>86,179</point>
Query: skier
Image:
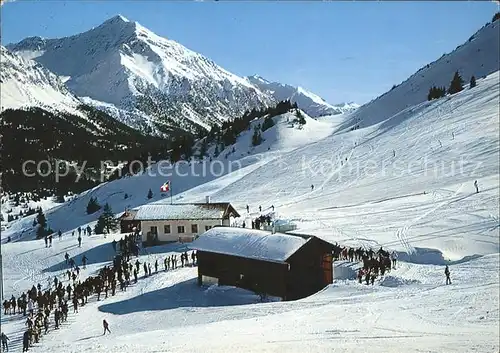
<point>106,327</point>
<point>30,306</point>
<point>260,208</point>
<point>79,241</point>
<point>46,238</point>
<point>84,261</point>
<point>447,274</point>
<point>272,208</point>
<point>50,241</point>
<point>66,257</point>
<point>73,233</point>
<point>477,188</point>
<point>360,275</point>
<point>79,231</point>
<point>113,243</point>
<point>394,257</point>
<point>4,338</point>
<point>248,209</point>
<point>26,340</point>
<point>312,187</point>
<point>59,233</point>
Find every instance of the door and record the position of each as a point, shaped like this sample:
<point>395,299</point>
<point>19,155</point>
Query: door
<point>326,264</point>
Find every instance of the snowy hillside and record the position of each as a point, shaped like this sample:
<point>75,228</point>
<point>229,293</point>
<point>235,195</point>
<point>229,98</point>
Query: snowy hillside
<point>26,83</point>
<point>122,63</point>
<point>352,172</point>
<point>411,201</point>
<point>309,102</point>
<point>477,57</point>
<point>405,180</point>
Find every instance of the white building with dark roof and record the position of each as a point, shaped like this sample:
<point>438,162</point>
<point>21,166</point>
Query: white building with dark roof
<point>182,222</point>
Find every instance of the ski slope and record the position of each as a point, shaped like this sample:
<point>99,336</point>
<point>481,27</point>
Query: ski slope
<point>409,310</point>
<point>430,216</point>
<point>404,180</point>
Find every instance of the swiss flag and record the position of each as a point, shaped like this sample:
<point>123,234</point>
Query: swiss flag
<point>165,187</point>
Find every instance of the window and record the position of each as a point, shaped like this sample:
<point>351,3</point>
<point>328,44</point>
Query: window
<point>154,230</point>
<point>207,228</point>
<point>180,229</point>
<point>166,228</point>
<point>194,228</point>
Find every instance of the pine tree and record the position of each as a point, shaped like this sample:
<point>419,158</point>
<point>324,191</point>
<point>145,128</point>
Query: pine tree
<point>268,123</point>
<point>300,117</point>
<point>40,218</point>
<point>456,84</point>
<point>42,224</point>
<point>110,222</point>
<point>256,138</point>
<point>472,82</point>
<point>203,148</point>
<point>150,194</point>
<point>60,198</point>
<point>93,206</point>
<point>100,225</point>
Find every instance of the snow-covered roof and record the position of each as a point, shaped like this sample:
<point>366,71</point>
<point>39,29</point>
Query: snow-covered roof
<point>184,211</point>
<point>249,243</point>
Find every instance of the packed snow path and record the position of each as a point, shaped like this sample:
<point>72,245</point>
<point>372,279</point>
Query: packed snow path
<point>410,307</point>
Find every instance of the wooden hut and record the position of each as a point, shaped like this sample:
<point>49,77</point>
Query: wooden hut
<point>128,221</point>
<point>286,266</point>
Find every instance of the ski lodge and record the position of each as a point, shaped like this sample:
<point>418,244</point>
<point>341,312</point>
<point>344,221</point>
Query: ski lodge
<point>162,223</point>
<point>128,222</point>
<point>281,265</point>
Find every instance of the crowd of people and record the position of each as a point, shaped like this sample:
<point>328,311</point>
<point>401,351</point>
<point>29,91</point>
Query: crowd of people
<point>38,306</point>
<point>375,263</point>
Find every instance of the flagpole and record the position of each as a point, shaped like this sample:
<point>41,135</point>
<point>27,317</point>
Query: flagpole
<point>170,184</point>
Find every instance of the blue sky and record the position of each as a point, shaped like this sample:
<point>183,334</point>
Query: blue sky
<point>342,51</point>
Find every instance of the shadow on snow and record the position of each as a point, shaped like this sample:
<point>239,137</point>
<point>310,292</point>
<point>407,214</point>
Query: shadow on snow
<point>182,295</point>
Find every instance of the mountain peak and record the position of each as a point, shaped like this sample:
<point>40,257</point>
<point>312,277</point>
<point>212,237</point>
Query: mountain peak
<point>35,43</point>
<point>257,78</point>
<point>116,19</point>
<point>117,22</point>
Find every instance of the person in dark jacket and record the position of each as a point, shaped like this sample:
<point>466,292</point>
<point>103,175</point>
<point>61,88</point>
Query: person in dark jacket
<point>447,274</point>
<point>4,338</point>
<point>106,326</point>
<point>26,340</point>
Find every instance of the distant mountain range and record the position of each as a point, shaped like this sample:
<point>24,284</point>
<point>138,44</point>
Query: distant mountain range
<point>148,82</point>
<point>309,102</point>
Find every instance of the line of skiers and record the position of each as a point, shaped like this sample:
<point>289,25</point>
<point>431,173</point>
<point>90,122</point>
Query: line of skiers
<point>46,302</point>
<point>260,208</point>
<point>127,245</point>
<point>374,263</point>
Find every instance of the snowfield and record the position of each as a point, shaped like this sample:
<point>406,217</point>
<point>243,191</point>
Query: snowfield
<point>403,179</point>
<point>430,216</point>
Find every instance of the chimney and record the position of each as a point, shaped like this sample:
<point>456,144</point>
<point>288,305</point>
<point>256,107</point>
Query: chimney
<point>207,199</point>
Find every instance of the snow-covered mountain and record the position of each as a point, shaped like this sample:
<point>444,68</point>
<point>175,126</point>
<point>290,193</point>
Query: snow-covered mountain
<point>309,102</point>
<point>404,182</point>
<point>478,57</point>
<point>26,83</point>
<point>124,64</point>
